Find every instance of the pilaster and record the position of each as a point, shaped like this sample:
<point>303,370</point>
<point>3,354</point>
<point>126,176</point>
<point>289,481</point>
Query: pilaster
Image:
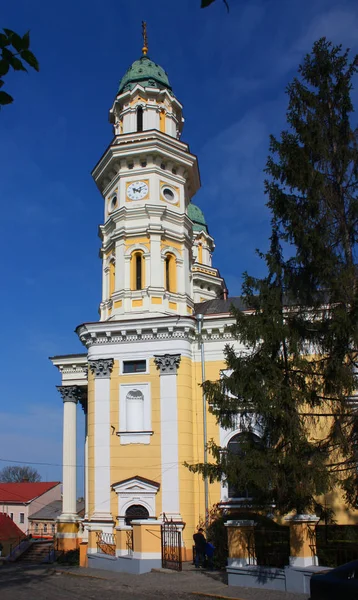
<point>168,365</point>
<point>101,369</point>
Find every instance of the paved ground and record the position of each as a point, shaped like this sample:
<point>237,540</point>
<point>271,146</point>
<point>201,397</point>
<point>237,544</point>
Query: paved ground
<point>19,582</point>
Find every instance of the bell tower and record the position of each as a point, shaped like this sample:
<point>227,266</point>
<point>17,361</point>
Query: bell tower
<point>147,178</point>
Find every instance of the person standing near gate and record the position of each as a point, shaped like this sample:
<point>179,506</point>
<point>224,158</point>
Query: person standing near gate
<point>200,546</point>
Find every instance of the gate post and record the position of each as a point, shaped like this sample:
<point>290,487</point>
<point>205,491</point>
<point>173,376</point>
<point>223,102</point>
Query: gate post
<point>303,540</point>
<point>147,540</point>
<point>124,541</point>
<point>92,541</point>
<point>241,543</point>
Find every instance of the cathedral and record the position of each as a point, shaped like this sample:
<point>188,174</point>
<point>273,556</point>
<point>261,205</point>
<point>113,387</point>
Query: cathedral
<point>164,321</point>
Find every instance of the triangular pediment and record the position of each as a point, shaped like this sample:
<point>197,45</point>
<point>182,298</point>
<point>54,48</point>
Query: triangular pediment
<point>136,484</point>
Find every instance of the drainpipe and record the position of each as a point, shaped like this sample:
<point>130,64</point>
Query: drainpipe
<point>200,319</point>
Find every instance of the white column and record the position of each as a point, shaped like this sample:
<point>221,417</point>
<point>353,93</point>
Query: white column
<point>168,364</point>
<point>102,369</point>
<point>70,396</point>
<point>120,283</point>
<point>156,274</point>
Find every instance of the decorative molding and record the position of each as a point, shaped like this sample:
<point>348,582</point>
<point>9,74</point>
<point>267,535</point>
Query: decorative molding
<point>167,363</point>
<point>184,329</point>
<point>70,393</point>
<point>102,367</point>
<point>73,369</point>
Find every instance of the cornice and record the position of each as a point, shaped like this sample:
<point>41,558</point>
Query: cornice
<point>150,142</point>
<point>146,92</point>
<point>156,329</point>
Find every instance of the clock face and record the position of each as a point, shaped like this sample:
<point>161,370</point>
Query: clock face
<point>137,190</point>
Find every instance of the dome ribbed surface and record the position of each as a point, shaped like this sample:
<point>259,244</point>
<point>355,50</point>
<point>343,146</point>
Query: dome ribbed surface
<point>145,72</point>
<point>196,215</point>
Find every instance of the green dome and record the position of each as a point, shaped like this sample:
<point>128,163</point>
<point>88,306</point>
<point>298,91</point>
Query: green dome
<point>145,72</point>
<point>196,215</point>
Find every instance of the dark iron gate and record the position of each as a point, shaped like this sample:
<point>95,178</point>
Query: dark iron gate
<point>171,545</point>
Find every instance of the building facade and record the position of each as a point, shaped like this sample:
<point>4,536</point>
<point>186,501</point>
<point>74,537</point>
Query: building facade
<point>139,379</point>
<point>164,322</point>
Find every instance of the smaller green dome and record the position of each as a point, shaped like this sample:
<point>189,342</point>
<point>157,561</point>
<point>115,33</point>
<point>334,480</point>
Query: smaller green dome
<point>145,72</point>
<point>196,215</point>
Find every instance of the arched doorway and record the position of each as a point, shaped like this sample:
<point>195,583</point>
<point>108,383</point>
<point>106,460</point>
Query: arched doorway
<point>135,512</point>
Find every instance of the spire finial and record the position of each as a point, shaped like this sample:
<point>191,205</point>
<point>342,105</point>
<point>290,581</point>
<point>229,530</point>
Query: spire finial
<point>145,39</point>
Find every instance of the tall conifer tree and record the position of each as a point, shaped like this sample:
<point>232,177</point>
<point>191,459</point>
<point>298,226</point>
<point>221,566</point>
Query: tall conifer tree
<point>292,390</point>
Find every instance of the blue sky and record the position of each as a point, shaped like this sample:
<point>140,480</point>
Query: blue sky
<point>230,72</point>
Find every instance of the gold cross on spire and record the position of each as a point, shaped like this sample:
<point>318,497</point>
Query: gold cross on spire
<point>145,39</point>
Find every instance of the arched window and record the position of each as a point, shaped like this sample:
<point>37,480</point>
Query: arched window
<point>167,273</point>
<point>134,411</point>
<point>135,512</point>
<point>137,271</point>
<point>139,118</point>
<point>170,273</point>
<point>112,277</point>
<point>237,446</point>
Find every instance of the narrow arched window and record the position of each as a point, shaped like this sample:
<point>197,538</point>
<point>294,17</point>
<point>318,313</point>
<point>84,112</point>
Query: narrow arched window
<point>135,411</point>
<point>170,273</point>
<point>139,118</point>
<point>167,273</point>
<point>138,271</point>
<point>112,277</point>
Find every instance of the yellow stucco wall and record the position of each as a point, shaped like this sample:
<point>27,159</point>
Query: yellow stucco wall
<point>145,459</point>
<point>191,443</point>
<point>135,459</point>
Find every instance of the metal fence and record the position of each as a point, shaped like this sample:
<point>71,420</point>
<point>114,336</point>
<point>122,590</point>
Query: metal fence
<point>336,544</point>
<point>129,542</point>
<point>269,547</point>
<point>106,543</point>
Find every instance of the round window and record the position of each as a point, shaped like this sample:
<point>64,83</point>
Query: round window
<point>113,203</point>
<point>168,194</point>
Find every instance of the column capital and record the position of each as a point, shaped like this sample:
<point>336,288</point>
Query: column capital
<point>69,393</point>
<point>102,367</point>
<point>167,363</point>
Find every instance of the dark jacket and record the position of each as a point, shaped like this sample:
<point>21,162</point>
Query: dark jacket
<point>199,541</point>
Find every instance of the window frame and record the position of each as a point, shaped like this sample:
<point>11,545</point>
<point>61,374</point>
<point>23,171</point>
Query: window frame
<point>127,360</point>
<point>139,115</point>
<point>135,437</point>
<point>21,518</point>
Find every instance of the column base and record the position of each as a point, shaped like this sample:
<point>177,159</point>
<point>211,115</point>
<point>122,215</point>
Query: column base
<point>101,524</point>
<point>176,516</point>
<point>68,518</point>
<point>67,537</point>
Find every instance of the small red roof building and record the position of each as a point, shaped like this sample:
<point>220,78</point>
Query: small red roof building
<point>22,493</point>
<point>21,500</point>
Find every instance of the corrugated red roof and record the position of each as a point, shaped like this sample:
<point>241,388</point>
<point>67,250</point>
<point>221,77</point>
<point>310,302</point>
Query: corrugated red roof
<point>8,529</point>
<point>21,493</point>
